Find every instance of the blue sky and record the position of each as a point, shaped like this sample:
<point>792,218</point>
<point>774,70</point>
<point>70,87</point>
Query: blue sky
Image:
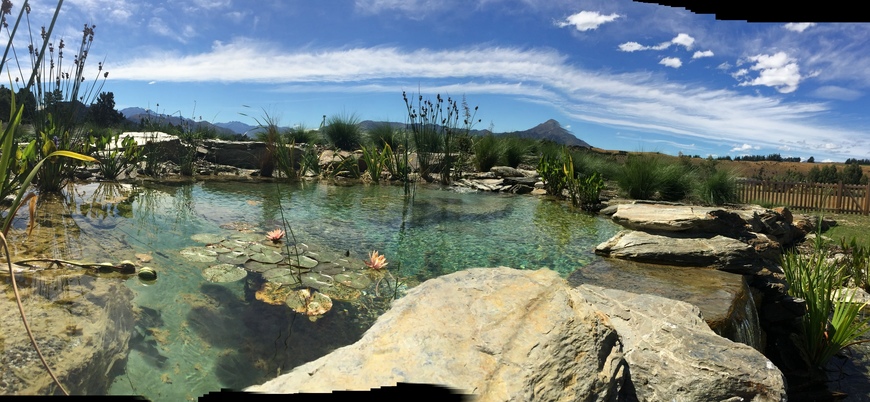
<point>618,74</point>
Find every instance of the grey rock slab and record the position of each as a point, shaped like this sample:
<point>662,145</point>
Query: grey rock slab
<point>674,356</point>
<point>498,333</point>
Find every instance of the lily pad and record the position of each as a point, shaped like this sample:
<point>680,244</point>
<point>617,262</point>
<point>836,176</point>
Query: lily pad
<point>256,266</point>
<point>223,273</point>
<point>329,268</point>
<point>267,257</point>
<point>207,238</point>
<point>249,237</point>
<point>283,276</point>
<point>316,280</point>
<point>234,257</point>
<point>303,261</point>
<point>219,248</point>
<point>309,303</point>
<point>198,254</point>
<point>354,280</point>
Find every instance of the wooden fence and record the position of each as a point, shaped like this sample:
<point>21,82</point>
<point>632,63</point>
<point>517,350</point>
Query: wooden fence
<point>839,198</point>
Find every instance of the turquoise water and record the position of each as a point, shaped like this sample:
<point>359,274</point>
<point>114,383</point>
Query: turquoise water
<point>193,336</point>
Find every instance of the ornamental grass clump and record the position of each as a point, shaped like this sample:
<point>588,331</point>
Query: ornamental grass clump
<point>343,131</point>
<point>832,321</point>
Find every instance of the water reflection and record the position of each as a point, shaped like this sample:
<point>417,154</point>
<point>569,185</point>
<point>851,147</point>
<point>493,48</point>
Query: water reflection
<point>193,337</point>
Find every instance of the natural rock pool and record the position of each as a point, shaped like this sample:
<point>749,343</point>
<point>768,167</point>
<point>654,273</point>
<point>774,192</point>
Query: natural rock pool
<point>191,336</point>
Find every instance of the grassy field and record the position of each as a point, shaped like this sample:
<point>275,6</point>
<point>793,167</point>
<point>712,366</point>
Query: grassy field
<point>849,226</point>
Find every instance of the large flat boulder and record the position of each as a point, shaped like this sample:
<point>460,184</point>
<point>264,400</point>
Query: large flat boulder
<point>715,251</point>
<point>674,356</point>
<point>505,334</point>
<point>662,217</point>
<point>499,333</point>
<point>723,298</point>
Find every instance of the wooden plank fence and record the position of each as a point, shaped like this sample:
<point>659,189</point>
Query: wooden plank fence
<point>839,198</point>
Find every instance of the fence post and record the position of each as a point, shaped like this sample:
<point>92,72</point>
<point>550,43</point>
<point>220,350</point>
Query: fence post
<point>866,199</point>
<point>840,196</point>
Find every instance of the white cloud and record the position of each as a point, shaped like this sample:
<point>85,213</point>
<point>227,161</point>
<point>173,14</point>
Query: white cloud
<point>744,148</point>
<point>587,20</point>
<point>838,93</point>
<point>798,26</point>
<point>724,66</point>
<point>629,101</point>
<point>684,40</point>
<point>778,71</point>
<point>681,40</point>
<point>740,73</point>
<point>118,11</point>
<point>699,54</point>
<point>671,62</point>
<point>631,47</point>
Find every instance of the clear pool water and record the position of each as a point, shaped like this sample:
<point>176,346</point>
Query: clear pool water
<point>193,336</point>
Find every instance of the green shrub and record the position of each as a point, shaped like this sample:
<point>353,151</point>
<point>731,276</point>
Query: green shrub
<point>300,135</point>
<point>343,132</point>
<point>487,152</point>
<point>384,134</point>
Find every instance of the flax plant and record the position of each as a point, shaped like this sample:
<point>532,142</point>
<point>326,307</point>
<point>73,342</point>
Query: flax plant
<point>831,322</point>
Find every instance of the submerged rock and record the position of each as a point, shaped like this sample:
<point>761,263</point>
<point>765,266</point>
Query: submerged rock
<point>83,325</point>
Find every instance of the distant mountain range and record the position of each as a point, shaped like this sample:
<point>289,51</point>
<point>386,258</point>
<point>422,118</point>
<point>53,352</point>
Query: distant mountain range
<point>549,130</point>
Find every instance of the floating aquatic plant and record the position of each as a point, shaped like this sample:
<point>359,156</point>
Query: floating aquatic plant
<point>222,273</point>
<point>376,262</point>
<point>276,235</point>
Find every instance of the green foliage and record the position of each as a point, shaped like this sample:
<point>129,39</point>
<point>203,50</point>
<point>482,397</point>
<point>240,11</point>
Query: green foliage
<point>384,134</point>
<point>560,173</point>
<point>102,112</point>
<point>639,177</point>
<point>442,143</point>
<point>857,262</point>
<point>513,150</point>
<point>300,135</point>
<point>117,156</point>
<point>488,150</point>
<point>830,323</point>
<point>343,131</point>
<point>375,161</point>
<point>719,187</point>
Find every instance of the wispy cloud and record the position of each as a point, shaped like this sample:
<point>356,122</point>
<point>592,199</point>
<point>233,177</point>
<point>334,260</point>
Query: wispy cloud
<point>587,20</point>
<point>838,93</point>
<point>681,39</point>
<point>638,101</point>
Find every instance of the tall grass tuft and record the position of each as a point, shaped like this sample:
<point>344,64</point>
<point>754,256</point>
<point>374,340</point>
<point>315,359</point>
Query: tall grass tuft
<point>487,152</point>
<point>385,134</point>
<point>343,131</point>
<point>514,149</point>
<point>719,187</point>
<point>639,176</point>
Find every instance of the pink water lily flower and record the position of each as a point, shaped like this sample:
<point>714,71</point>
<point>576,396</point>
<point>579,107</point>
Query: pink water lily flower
<point>275,235</point>
<point>376,261</point>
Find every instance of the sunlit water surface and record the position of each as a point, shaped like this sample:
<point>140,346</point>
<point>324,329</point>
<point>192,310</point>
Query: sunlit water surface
<point>193,337</point>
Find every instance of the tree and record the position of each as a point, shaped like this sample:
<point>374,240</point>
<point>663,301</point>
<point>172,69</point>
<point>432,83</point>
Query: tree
<point>102,112</point>
<point>852,173</point>
<point>811,160</point>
